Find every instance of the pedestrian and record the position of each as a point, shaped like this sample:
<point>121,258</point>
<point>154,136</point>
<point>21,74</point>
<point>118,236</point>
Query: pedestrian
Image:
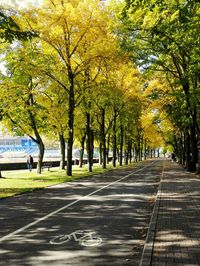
<point>173,157</point>
<point>30,162</point>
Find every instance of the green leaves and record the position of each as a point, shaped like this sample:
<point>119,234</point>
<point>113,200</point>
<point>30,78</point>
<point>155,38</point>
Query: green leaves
<point>10,30</point>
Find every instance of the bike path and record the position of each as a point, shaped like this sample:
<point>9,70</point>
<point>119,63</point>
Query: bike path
<point>174,234</point>
<point>112,210</point>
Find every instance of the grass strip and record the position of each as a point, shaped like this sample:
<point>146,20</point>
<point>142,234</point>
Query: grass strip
<point>21,181</point>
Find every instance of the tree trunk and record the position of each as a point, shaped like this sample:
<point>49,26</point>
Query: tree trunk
<point>134,153</point>
<point>40,156</point>
<point>92,145</point>
<point>100,154</point>
<point>62,151</point>
<point>103,137</point>
<point>194,150</point>
<point>145,149</point>
<point>121,145</point>
<point>126,156</point>
<point>69,154</point>
<point>151,153</point>
<point>39,142</point>
<point>158,153</point>
<point>82,142</point>
<point>88,142</point>
<point>114,142</point>
<point>37,138</point>
<point>108,148</point>
<point>125,149</point>
<point>139,149</point>
<point>192,112</point>
<point>130,150</point>
<point>70,139</point>
<point>118,155</point>
<point>180,148</point>
<point>187,149</point>
<point>184,149</point>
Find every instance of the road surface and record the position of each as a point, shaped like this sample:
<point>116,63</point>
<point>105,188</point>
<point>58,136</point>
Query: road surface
<point>99,220</point>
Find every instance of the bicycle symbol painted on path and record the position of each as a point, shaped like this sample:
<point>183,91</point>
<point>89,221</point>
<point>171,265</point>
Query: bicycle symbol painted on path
<point>86,238</point>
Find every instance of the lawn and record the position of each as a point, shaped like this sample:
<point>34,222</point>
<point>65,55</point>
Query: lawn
<point>21,181</point>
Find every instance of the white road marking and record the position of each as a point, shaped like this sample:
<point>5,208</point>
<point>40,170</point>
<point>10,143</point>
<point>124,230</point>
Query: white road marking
<point>67,206</point>
<point>87,238</point>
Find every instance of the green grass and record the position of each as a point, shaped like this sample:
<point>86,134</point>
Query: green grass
<point>21,181</point>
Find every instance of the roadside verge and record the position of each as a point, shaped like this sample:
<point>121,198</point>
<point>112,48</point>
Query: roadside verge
<point>149,241</point>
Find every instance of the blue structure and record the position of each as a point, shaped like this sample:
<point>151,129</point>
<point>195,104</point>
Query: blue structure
<point>17,144</point>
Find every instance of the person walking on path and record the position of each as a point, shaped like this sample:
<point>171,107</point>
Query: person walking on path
<point>173,156</point>
<point>30,162</point>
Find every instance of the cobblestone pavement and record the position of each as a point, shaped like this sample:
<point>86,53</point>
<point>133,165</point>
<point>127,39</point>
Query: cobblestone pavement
<point>174,234</point>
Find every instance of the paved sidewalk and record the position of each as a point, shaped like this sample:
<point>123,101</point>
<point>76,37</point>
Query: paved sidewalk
<point>174,233</point>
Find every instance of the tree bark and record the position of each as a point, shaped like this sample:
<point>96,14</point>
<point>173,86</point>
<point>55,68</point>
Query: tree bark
<point>158,153</point>
<point>82,142</point>
<point>118,155</point>
<point>126,156</point>
<point>145,149</point>
<point>121,145</point>
<point>62,151</point>
<point>70,139</point>
<point>100,154</point>
<point>130,151</point>
<point>108,148</point>
<point>194,149</point>
<point>187,149</point>
<point>92,145</point>
<point>139,149</point>
<point>114,141</point>
<point>88,142</point>
<point>40,156</point>
<point>103,137</point>
<point>37,138</point>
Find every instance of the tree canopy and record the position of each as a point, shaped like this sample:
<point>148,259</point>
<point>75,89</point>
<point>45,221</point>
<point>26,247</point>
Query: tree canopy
<point>115,75</point>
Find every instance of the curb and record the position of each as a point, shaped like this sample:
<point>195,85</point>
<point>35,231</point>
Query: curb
<point>149,241</point>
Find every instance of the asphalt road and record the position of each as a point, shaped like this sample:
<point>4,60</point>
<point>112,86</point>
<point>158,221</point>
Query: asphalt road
<point>99,220</point>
